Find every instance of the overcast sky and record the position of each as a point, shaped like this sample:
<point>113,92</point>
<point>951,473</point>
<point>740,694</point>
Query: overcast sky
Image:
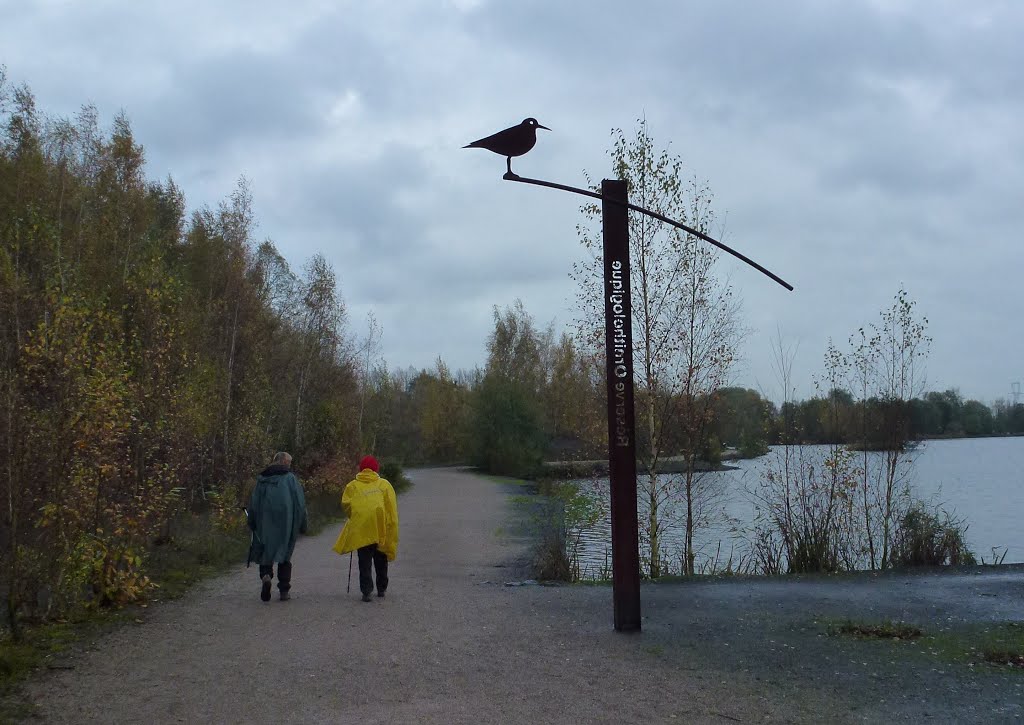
<point>851,146</point>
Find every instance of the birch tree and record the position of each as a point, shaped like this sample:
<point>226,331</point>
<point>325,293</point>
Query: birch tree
<point>684,324</point>
<point>901,348</point>
<point>707,340</point>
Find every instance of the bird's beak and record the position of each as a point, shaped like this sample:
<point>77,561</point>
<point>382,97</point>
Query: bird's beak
<point>544,127</point>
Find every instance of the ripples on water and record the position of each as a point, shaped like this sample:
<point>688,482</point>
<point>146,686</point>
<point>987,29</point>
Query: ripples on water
<point>979,480</point>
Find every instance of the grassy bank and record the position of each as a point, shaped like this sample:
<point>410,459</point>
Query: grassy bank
<point>990,644</point>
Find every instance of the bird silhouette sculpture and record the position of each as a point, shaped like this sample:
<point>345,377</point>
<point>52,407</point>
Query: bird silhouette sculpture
<point>513,141</point>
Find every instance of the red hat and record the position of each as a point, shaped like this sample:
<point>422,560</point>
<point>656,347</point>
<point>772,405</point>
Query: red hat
<point>369,462</point>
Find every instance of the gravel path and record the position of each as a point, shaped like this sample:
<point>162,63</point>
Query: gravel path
<point>452,644</point>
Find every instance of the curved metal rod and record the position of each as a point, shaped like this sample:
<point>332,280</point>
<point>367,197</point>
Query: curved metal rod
<point>689,230</point>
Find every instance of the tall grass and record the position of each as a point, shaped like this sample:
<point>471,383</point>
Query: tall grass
<point>931,538</point>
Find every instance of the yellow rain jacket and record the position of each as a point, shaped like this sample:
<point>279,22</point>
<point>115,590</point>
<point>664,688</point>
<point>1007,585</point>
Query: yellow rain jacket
<point>372,509</point>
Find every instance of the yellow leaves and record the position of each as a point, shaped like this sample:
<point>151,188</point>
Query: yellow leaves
<point>112,571</point>
<point>47,515</point>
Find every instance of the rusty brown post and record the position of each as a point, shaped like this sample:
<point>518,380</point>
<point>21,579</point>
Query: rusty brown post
<point>621,429</point>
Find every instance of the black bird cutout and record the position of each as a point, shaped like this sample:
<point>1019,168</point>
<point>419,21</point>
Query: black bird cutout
<point>513,141</point>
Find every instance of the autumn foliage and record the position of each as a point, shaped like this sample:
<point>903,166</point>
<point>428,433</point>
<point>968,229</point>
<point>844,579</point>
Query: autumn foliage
<point>150,360</point>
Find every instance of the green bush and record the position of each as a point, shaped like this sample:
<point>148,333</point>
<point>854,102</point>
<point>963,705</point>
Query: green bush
<point>711,451</point>
<point>546,516</point>
<point>753,447</point>
<point>562,513</point>
<point>508,436</point>
<point>393,472</point>
<point>926,538</point>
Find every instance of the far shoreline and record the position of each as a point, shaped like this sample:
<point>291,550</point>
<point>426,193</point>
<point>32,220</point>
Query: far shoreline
<point>590,469</point>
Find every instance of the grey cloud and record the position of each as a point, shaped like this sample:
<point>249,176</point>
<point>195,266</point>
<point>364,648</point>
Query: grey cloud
<point>850,148</point>
<point>894,165</point>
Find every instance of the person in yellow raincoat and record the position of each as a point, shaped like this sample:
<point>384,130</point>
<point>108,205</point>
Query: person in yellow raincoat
<point>372,527</point>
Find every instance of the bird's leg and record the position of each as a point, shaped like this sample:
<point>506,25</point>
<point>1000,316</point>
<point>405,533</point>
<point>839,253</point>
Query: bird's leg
<point>511,174</point>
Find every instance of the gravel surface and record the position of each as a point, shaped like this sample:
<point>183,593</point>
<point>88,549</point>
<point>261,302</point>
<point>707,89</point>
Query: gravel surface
<point>452,643</point>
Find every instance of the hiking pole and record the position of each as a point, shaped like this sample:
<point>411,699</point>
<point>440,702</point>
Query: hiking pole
<point>252,537</point>
<point>349,587</point>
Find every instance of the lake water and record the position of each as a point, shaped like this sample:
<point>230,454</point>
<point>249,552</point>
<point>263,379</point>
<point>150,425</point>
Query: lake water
<point>979,480</point>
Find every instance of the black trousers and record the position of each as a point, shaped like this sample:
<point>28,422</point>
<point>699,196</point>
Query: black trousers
<point>284,574</point>
<point>369,559</point>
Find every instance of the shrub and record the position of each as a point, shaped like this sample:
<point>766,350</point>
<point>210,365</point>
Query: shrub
<point>393,472</point>
<point>926,538</point>
<point>753,447</point>
<point>803,522</point>
<point>711,451</point>
<point>508,434</point>
<point>563,514</point>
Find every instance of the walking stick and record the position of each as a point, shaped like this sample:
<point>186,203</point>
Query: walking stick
<point>253,538</point>
<point>349,587</point>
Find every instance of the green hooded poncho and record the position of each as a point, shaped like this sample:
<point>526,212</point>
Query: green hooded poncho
<point>277,515</point>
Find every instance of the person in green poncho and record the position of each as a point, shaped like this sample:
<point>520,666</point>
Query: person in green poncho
<point>277,515</point>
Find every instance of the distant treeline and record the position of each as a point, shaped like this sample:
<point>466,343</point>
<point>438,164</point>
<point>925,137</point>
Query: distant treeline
<point>838,418</point>
<point>510,424</point>
<point>538,396</point>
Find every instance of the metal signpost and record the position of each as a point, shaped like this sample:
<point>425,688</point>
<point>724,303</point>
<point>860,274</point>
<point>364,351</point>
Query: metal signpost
<point>618,336</point>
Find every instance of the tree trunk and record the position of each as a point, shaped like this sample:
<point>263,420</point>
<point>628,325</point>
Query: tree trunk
<point>655,561</point>
<point>231,370</point>
<point>12,487</point>
<point>689,518</point>
<point>12,521</point>
<point>654,521</point>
